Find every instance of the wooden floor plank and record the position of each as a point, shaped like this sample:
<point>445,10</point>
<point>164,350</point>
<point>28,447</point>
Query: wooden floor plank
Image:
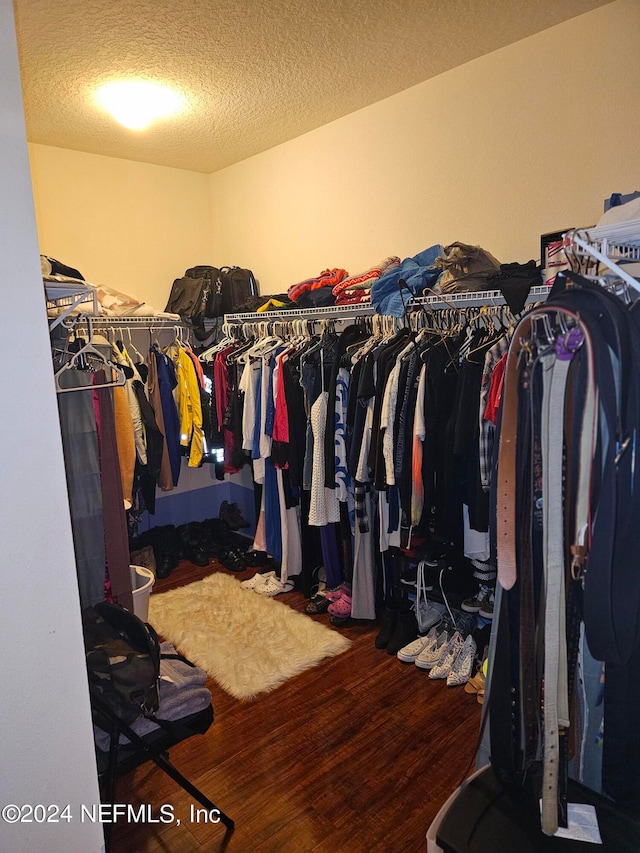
<point>354,755</point>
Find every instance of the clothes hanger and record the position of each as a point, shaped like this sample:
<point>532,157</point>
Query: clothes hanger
<point>132,346</point>
<point>91,358</point>
<point>216,347</point>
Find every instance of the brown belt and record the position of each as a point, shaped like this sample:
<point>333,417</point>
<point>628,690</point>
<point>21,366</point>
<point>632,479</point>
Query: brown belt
<point>506,480</point>
<point>506,526</point>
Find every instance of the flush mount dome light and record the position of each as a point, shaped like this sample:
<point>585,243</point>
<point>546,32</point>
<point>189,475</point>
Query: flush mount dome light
<point>137,103</point>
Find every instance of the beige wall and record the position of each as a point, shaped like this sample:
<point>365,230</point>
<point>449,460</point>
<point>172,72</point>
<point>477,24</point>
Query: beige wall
<point>132,226</point>
<point>529,139</point>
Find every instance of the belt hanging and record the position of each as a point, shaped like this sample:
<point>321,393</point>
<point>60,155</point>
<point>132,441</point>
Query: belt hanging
<point>529,693</point>
<point>556,705</point>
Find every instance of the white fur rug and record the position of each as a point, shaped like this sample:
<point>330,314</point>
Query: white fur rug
<point>248,643</point>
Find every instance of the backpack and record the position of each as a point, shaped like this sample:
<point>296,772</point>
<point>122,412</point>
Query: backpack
<point>238,285</point>
<point>206,292</point>
<point>123,660</point>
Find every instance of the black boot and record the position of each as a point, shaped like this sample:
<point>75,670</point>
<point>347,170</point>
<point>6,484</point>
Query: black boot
<point>167,549</point>
<point>389,620</point>
<point>406,631</point>
<point>193,545</point>
<point>215,534</point>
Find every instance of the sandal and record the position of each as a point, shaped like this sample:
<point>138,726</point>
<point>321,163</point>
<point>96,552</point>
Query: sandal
<point>231,560</point>
<point>341,607</point>
<point>475,684</point>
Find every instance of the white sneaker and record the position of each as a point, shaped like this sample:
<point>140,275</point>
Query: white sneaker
<point>448,656</point>
<point>429,656</point>
<point>257,580</point>
<point>411,651</point>
<point>462,667</point>
<point>273,586</point>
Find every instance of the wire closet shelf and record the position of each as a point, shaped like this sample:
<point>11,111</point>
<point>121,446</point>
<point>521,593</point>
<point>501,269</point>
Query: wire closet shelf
<point>613,246</point>
<point>463,300</point>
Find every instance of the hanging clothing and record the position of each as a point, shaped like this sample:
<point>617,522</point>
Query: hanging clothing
<point>115,525</point>
<point>189,405</point>
<point>165,476</point>
<point>82,468</point>
<point>167,384</point>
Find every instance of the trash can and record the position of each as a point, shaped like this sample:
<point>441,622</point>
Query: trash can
<point>142,581</point>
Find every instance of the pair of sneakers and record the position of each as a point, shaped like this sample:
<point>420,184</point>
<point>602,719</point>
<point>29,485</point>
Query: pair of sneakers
<point>481,603</point>
<point>443,654</point>
<point>413,650</point>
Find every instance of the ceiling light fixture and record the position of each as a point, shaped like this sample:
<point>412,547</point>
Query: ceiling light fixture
<point>137,103</point>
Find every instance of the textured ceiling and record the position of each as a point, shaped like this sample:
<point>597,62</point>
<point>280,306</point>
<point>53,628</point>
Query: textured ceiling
<point>256,72</point>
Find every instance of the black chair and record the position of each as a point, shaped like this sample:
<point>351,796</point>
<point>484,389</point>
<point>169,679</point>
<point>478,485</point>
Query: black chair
<point>121,758</point>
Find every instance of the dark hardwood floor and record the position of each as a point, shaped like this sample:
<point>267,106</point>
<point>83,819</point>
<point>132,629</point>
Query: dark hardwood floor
<point>357,754</point>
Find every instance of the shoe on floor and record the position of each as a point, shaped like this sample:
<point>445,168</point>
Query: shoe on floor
<point>430,655</point>
<point>335,594</point>
<point>231,560</point>
<point>272,586</point>
<point>448,656</point>
<point>406,631</point>
<point>462,666</point>
<point>389,619</point>
<point>412,650</point>
<point>486,611</point>
<point>476,684</point>
<point>232,515</point>
<point>341,607</point>
<point>257,580</point>
<point>319,603</point>
<point>474,604</point>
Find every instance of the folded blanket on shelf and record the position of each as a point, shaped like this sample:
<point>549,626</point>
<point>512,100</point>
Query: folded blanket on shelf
<point>366,279</point>
<point>354,297</point>
<point>327,278</point>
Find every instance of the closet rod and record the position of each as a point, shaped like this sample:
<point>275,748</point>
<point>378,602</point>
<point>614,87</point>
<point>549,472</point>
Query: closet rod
<point>127,320</point>
<point>475,299</point>
<point>329,312</point>
<point>464,300</point>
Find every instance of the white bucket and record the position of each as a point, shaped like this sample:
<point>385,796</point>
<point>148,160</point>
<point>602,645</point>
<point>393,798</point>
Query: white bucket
<point>142,580</point>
